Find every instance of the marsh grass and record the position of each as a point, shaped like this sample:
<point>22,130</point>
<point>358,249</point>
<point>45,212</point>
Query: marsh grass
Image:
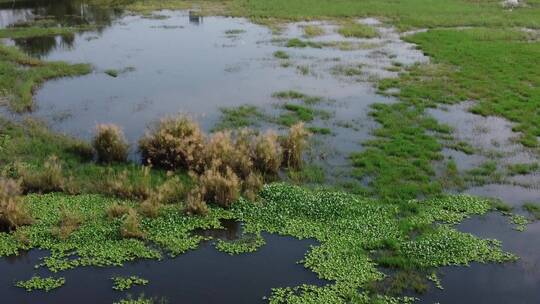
<point>70,221</point>
<point>50,178</point>
<point>220,186</point>
<point>173,143</point>
<point>313,31</point>
<point>117,210</point>
<point>195,204</point>
<point>294,144</point>
<point>110,143</point>
<point>267,153</point>
<point>357,30</point>
<point>13,212</point>
<point>533,209</point>
<point>239,117</point>
<point>281,55</point>
<point>131,226</point>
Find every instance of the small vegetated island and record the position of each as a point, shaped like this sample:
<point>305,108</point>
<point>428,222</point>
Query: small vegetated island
<point>383,241</point>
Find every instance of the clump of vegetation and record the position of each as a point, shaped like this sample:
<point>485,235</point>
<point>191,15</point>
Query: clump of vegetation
<point>125,283</point>
<point>533,209</point>
<point>501,206</point>
<point>298,43</point>
<point>131,226</point>
<point>70,220</point>
<point>357,30</point>
<point>308,174</point>
<point>294,145</point>
<point>239,117</point>
<point>515,169</point>
<point>39,283</point>
<point>313,31</point>
<point>50,178</point>
<point>221,151</point>
<point>220,186</point>
<point>267,153</point>
<point>13,212</point>
<point>195,204</point>
<point>110,144</point>
<point>174,143</point>
<point>117,210</point>
<point>252,185</point>
<point>129,185</point>
<point>281,55</point>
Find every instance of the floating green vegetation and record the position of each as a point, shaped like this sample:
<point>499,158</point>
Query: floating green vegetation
<point>298,43</point>
<point>313,31</point>
<point>141,299</point>
<point>239,117</point>
<point>234,32</point>
<point>516,169</point>
<point>348,70</point>
<point>519,221</point>
<point>291,94</point>
<point>349,228</point>
<point>21,74</point>
<point>281,55</point>
<point>125,283</point>
<point>245,244</point>
<point>39,283</point>
<point>357,30</point>
<point>533,209</point>
<point>115,73</point>
<point>299,113</point>
<point>320,130</point>
<point>433,277</point>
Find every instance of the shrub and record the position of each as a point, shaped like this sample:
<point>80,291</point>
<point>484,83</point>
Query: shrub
<point>129,187</point>
<point>69,222</point>
<point>218,187</point>
<point>195,204</point>
<point>174,143</point>
<point>131,227</point>
<point>110,144</point>
<point>171,191</point>
<point>223,152</point>
<point>48,179</point>
<point>267,153</point>
<point>117,210</point>
<point>13,212</point>
<point>294,145</point>
<point>252,185</point>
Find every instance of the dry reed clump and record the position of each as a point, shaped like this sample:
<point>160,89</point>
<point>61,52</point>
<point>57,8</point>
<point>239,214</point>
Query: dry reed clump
<point>230,153</point>
<point>267,153</point>
<point>294,145</point>
<point>252,185</point>
<point>13,212</point>
<point>221,187</point>
<point>131,226</point>
<point>69,222</point>
<point>128,187</point>
<point>48,179</point>
<point>150,207</point>
<point>174,143</point>
<point>171,191</point>
<point>117,210</point>
<point>110,144</point>
<point>195,204</point>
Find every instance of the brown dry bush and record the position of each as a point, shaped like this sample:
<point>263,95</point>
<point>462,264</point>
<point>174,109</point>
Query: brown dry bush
<point>150,207</point>
<point>195,204</point>
<point>174,143</point>
<point>69,222</point>
<point>48,179</point>
<point>252,185</point>
<point>267,153</point>
<point>117,210</point>
<point>123,186</point>
<point>13,212</point>
<point>131,226</point>
<point>171,191</point>
<point>294,145</point>
<point>229,153</point>
<point>110,144</point>
<point>222,188</point>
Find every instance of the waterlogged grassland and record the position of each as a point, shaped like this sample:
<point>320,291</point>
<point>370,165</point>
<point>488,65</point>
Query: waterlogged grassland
<point>357,236</point>
<point>20,75</point>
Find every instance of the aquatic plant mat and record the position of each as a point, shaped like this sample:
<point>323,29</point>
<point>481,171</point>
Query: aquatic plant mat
<point>358,237</point>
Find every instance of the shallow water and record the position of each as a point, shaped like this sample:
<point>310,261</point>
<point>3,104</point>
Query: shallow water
<point>203,275</point>
<point>179,64</point>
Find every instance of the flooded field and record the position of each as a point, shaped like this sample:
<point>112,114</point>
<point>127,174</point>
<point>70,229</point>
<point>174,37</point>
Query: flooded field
<point>146,67</point>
